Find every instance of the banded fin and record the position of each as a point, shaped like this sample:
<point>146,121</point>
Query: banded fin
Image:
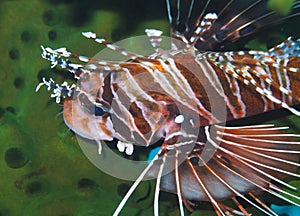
<point>236,19</point>
<point>247,160</point>
<point>237,170</point>
<point>64,59</point>
<point>155,39</point>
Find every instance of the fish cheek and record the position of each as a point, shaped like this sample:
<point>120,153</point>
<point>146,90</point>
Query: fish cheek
<point>75,118</point>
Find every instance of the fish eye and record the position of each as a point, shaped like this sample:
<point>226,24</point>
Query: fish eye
<point>93,109</point>
<point>90,107</point>
<point>98,111</point>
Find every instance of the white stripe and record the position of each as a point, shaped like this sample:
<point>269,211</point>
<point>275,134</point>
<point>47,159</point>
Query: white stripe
<point>125,116</point>
<point>237,94</point>
<point>187,97</point>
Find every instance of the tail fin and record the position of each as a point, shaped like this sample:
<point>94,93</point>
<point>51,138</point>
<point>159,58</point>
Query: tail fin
<point>271,78</point>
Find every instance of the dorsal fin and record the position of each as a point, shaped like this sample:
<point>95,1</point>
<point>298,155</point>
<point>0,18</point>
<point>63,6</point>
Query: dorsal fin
<point>235,19</point>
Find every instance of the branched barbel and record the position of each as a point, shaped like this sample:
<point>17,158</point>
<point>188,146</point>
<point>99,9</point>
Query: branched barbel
<point>184,96</point>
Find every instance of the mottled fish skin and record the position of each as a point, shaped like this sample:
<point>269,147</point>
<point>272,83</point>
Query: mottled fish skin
<point>185,95</point>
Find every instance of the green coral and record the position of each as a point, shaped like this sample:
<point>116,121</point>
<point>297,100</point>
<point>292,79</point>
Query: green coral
<point>43,170</point>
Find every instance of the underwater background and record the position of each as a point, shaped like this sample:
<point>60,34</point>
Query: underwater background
<point>42,168</point>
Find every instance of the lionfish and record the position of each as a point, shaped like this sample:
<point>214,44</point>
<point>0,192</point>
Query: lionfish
<point>182,98</point>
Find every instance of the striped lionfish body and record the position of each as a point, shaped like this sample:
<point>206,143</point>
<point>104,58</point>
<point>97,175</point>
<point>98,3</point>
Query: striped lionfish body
<point>183,97</point>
